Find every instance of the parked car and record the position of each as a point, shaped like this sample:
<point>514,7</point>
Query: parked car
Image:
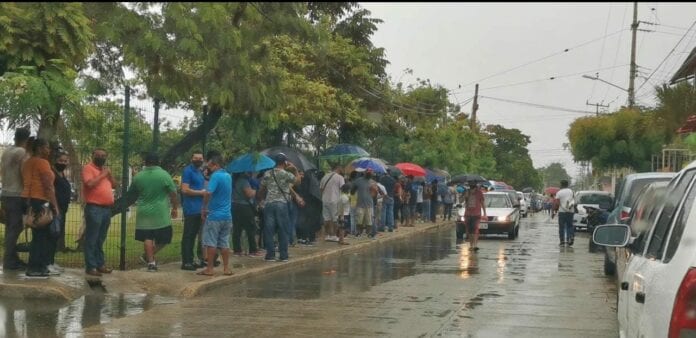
<point>657,290</point>
<point>626,195</point>
<point>524,205</point>
<point>642,218</point>
<point>597,199</point>
<point>503,216</point>
<point>627,190</point>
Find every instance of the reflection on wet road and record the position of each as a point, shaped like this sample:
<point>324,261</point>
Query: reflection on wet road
<point>33,318</point>
<point>426,286</point>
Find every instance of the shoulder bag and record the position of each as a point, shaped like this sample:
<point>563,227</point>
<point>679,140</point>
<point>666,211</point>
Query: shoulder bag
<point>37,218</point>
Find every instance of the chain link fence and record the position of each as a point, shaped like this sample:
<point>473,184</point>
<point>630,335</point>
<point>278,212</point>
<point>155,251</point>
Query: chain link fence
<point>126,129</point>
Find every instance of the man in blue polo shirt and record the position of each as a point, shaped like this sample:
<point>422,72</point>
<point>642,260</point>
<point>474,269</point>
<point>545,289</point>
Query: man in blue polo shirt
<point>193,189</point>
<point>217,213</point>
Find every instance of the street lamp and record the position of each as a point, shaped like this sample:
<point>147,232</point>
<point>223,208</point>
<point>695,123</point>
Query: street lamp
<point>596,78</point>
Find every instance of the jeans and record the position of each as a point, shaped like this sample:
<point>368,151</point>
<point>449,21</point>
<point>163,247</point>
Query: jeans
<point>97,221</point>
<point>433,210</point>
<point>566,229</point>
<point>276,218</point>
<point>448,211</point>
<point>192,230</point>
<point>244,218</point>
<point>388,213</point>
<point>14,209</point>
<point>425,210</point>
<point>39,248</point>
<point>293,210</point>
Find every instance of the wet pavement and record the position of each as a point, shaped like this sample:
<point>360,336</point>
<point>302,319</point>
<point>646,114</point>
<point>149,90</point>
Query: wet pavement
<point>425,286</point>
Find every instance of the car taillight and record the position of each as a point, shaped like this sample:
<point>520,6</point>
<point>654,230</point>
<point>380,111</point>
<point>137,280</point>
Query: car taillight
<point>624,216</point>
<point>684,310</point>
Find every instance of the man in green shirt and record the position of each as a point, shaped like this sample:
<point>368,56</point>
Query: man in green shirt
<point>156,194</point>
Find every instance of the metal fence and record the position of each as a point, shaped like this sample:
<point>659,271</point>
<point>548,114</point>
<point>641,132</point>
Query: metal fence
<point>126,130</point>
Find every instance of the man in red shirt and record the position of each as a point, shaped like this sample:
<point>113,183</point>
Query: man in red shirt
<point>474,204</point>
<point>97,185</point>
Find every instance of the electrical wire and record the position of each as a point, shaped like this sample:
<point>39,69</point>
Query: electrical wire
<point>668,55</point>
<point>537,105</point>
<point>616,56</point>
<point>601,54</point>
<point>544,58</point>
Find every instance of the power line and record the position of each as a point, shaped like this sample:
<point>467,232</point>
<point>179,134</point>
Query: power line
<point>544,58</point>
<point>537,105</point>
<point>616,56</point>
<point>550,78</point>
<point>663,60</point>
<point>601,54</point>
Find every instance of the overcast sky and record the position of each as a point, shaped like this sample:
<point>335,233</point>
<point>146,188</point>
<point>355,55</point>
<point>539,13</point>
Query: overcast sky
<point>456,44</point>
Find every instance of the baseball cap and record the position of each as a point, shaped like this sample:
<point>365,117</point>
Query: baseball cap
<point>280,158</point>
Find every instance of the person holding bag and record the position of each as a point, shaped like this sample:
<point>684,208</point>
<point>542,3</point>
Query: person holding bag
<point>39,194</point>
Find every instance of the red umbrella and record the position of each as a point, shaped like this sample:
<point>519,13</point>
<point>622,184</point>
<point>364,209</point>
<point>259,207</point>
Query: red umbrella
<point>410,169</point>
<point>552,190</point>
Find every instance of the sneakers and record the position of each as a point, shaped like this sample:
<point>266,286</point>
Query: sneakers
<point>152,267</point>
<point>37,274</point>
<point>282,260</point>
<point>94,273</point>
<point>256,254</point>
<point>188,267</point>
<point>269,259</point>
<point>53,270</point>
<point>562,244</point>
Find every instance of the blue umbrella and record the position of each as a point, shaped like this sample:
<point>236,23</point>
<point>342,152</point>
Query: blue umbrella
<point>376,165</point>
<point>431,175</point>
<point>249,163</point>
<point>341,151</point>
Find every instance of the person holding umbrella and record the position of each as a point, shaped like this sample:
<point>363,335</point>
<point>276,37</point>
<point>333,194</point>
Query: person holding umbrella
<point>475,203</point>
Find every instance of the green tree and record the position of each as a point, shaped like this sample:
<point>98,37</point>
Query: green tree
<point>43,46</point>
<point>625,139</point>
<point>513,163</point>
<point>553,174</point>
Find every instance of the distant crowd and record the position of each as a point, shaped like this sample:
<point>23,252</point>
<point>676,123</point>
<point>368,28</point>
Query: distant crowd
<point>216,205</point>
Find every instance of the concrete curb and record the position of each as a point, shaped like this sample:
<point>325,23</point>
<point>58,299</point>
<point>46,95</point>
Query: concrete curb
<point>40,291</point>
<point>197,288</point>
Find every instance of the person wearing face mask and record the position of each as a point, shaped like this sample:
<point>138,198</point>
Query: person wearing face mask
<point>62,188</point>
<point>193,189</point>
<point>97,185</point>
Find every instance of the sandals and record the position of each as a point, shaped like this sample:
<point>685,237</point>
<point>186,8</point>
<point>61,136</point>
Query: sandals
<point>203,273</point>
<point>228,273</point>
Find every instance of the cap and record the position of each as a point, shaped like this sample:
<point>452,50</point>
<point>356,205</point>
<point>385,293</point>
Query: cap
<point>280,158</point>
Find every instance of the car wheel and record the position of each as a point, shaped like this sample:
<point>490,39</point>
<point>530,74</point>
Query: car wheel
<point>511,233</point>
<point>609,267</point>
<point>517,232</point>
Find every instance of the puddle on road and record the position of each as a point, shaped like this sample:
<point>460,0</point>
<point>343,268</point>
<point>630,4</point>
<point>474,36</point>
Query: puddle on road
<point>432,253</point>
<point>34,318</point>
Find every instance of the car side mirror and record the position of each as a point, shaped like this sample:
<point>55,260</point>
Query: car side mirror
<point>612,235</point>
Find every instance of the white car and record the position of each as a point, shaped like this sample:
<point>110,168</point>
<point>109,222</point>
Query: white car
<point>524,206</point>
<point>587,198</point>
<point>657,291</point>
<point>503,217</point>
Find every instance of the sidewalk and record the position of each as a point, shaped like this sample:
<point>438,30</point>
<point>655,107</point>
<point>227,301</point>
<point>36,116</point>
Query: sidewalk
<point>171,281</point>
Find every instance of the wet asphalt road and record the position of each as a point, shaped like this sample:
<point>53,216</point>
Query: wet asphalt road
<point>426,286</point>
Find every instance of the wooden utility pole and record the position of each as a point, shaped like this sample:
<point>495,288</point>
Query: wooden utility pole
<point>632,75</point>
<point>474,109</point>
<point>597,105</point>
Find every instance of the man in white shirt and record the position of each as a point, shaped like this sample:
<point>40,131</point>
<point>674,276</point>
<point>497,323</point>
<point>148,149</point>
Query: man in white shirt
<point>330,187</point>
<point>564,204</point>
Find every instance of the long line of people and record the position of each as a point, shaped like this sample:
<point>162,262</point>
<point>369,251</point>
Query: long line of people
<point>276,208</point>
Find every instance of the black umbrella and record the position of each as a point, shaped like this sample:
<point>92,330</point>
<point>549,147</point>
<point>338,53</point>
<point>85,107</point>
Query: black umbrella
<point>528,190</point>
<point>294,156</point>
<point>463,179</point>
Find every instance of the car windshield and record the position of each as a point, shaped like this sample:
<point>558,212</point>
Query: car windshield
<point>602,200</point>
<point>496,201</point>
<point>638,186</point>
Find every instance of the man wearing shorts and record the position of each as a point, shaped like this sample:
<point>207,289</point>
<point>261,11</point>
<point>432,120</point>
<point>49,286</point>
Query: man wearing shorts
<point>157,205</point>
<point>330,187</point>
<point>366,189</point>
<point>474,204</point>
<point>217,213</point>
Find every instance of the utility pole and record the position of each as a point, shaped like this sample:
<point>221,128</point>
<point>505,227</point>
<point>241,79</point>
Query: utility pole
<point>474,109</point>
<point>632,75</point>
<point>596,105</point>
